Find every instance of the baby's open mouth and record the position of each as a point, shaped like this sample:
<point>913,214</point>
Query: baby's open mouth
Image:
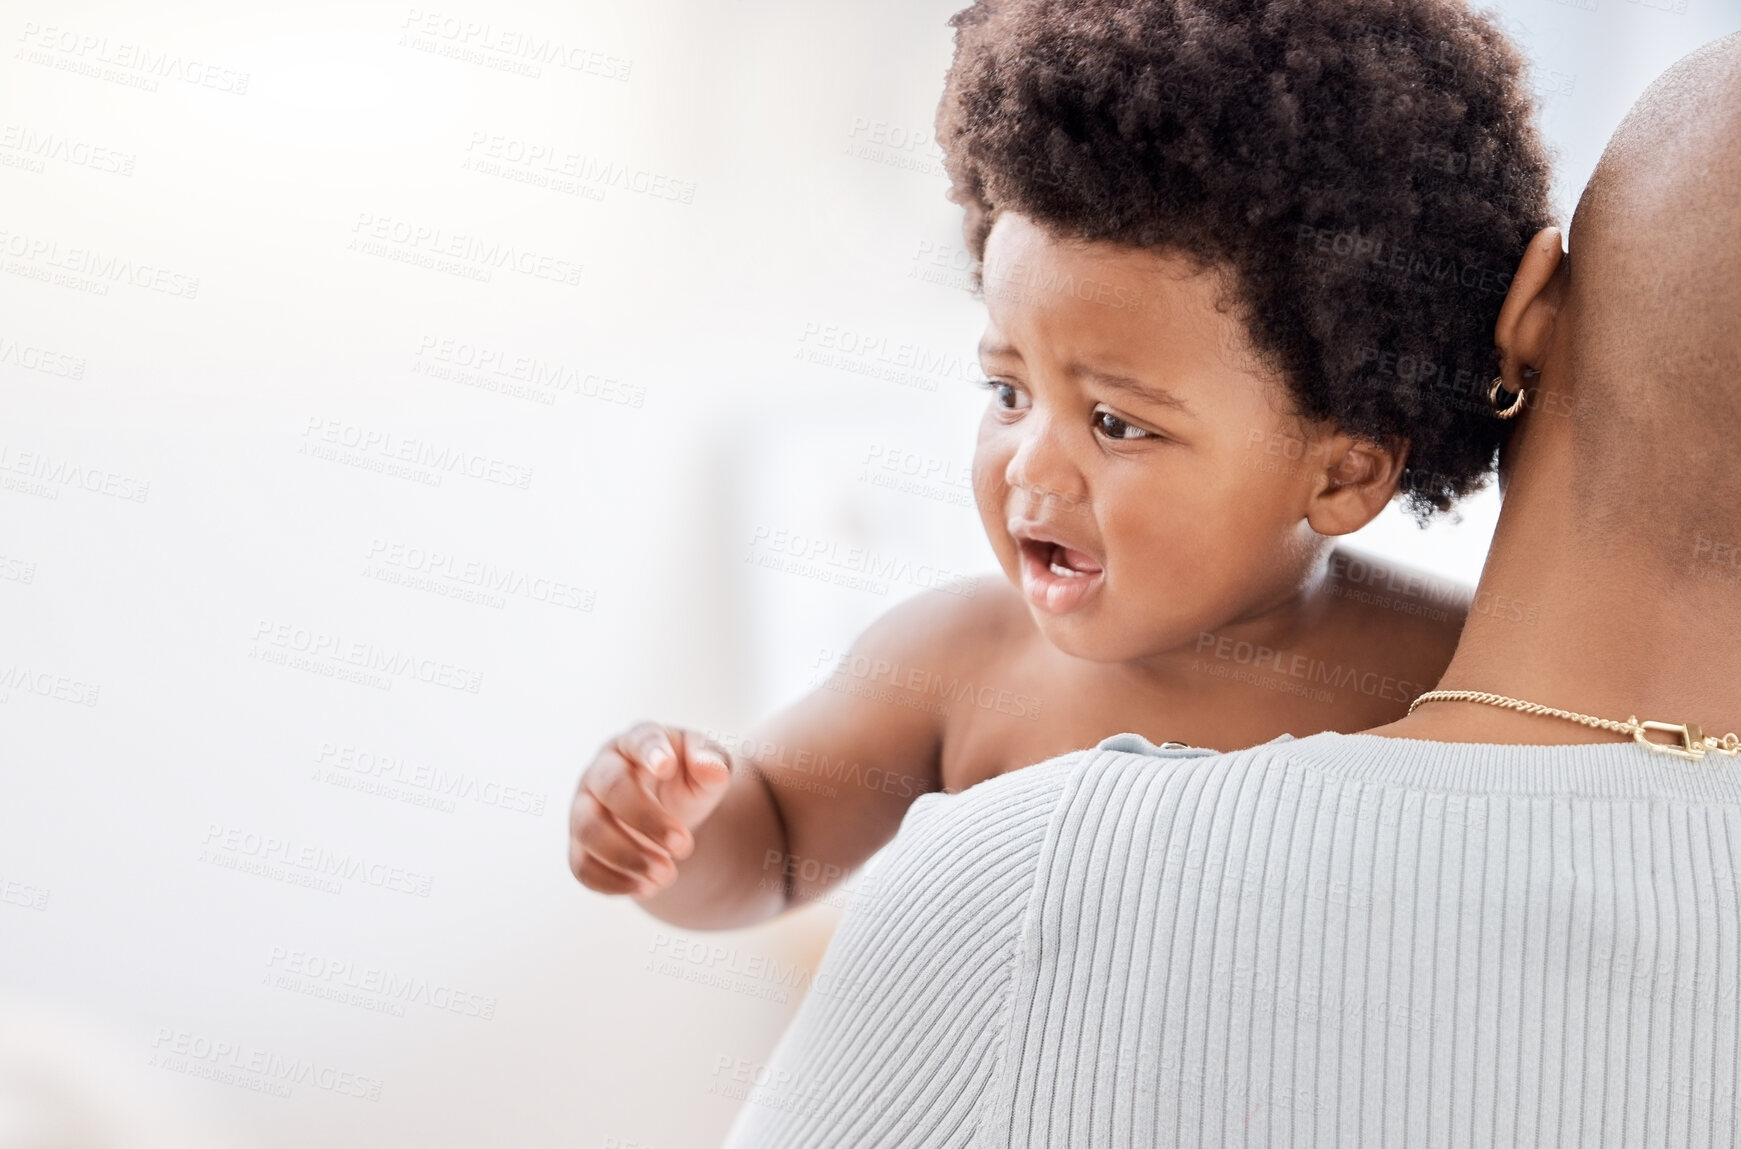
<point>1058,579</point>
<point>1064,562</point>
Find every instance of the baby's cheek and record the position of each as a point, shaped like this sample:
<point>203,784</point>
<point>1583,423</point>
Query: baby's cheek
<point>989,491</point>
<point>1160,565</point>
<point>1170,554</point>
<point>988,469</point>
<point>989,498</point>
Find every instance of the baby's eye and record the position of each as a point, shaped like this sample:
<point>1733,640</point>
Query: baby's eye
<point>1113,427</point>
<point>1003,394</point>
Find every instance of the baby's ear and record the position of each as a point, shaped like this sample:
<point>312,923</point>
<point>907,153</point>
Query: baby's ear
<point>1359,478</point>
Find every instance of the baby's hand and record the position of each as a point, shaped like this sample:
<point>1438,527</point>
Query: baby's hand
<point>636,805</point>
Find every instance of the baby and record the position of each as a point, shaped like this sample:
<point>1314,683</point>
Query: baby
<point>1241,266</point>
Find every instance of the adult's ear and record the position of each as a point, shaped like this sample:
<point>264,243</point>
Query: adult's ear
<point>1526,319</point>
<point>1359,479</point>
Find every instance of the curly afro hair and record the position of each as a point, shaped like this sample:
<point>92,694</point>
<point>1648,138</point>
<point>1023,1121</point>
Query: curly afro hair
<point>1369,171</point>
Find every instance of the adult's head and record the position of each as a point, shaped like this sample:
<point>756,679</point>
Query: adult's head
<point>1642,323</point>
<point>1621,529</point>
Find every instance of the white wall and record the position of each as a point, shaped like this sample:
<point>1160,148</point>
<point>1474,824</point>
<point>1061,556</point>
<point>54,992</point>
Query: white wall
<point>170,529</point>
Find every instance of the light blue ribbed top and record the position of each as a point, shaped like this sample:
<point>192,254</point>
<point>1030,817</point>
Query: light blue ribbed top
<point>1339,940</point>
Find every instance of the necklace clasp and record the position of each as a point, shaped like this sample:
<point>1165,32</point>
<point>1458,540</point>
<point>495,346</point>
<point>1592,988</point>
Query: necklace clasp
<point>1692,739</point>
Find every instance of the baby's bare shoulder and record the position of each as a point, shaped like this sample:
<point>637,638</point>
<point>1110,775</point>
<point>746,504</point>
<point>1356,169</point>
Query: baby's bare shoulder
<point>1399,605</point>
<point>958,626</point>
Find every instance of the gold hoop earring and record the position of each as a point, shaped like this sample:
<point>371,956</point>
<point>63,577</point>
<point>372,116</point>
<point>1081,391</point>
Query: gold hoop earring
<point>1493,399</point>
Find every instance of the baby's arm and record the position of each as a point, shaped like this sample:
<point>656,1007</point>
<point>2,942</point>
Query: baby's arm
<point>823,784</point>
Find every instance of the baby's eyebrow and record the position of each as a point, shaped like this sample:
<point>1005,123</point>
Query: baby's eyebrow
<point>1148,392</point>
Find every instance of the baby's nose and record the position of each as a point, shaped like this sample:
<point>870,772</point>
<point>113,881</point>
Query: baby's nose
<point>1041,473</point>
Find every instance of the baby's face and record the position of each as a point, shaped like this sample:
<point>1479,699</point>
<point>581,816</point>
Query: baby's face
<point>1137,471</point>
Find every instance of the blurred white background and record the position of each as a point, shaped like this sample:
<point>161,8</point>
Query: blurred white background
<point>304,333</point>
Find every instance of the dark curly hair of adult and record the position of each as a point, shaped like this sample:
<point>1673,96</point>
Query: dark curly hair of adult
<point>1369,171</point>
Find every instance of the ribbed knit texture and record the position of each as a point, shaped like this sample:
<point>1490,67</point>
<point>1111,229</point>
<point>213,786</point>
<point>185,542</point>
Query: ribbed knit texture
<point>900,1050</point>
<point>1340,940</point>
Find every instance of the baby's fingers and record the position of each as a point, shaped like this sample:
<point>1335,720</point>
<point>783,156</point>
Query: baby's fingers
<point>627,795</point>
<point>607,857</point>
<point>694,792</point>
<point>647,744</point>
<point>597,876</point>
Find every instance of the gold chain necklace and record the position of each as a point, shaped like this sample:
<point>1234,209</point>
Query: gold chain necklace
<point>1694,743</point>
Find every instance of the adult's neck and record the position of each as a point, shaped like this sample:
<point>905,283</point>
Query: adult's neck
<point>1593,622</point>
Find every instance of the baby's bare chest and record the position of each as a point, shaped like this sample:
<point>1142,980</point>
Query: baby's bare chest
<point>1030,717</point>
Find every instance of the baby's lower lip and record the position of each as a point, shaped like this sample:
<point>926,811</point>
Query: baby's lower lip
<point>1052,592</point>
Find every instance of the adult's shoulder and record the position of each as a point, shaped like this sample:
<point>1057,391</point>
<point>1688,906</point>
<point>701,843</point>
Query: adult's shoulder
<point>1018,801</point>
<point>1028,800</point>
<point>1128,789</point>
